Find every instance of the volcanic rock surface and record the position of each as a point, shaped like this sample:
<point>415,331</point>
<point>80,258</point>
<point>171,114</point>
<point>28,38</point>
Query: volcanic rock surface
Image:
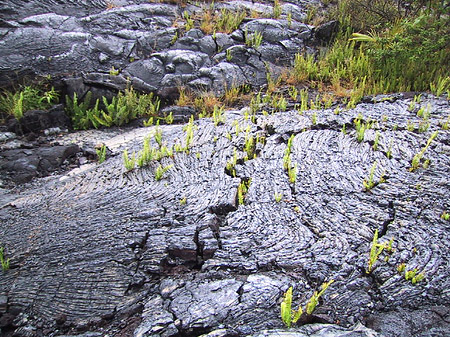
<point>105,251</point>
<point>104,245</point>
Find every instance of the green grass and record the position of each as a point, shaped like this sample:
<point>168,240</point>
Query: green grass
<point>410,53</point>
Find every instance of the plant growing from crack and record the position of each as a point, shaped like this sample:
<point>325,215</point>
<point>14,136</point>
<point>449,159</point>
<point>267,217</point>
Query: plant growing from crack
<point>160,170</point>
<point>253,40</point>
<point>101,153</point>
<point>361,128</point>
<point>376,141</point>
<point>289,316</point>
<point>278,196</point>
<point>369,183</point>
<point>129,162</point>
<point>230,165</point>
<point>250,145</point>
<point>242,190</point>
<point>4,262</point>
<point>376,250</point>
<point>445,216</point>
<point>415,163</point>
<point>411,275</point>
<point>314,118</point>
<point>218,115</point>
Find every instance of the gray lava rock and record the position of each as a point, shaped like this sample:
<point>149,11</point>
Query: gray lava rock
<point>22,165</point>
<point>37,121</point>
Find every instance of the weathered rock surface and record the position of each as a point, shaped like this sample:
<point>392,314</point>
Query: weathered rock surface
<point>146,42</point>
<point>102,251</point>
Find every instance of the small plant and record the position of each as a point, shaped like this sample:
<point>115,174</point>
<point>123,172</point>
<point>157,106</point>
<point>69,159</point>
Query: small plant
<point>314,300</point>
<point>189,129</point>
<point>113,71</point>
<point>278,196</point>
<point>101,153</point>
<point>242,190</point>
<point>28,98</point>
<point>129,163</point>
<point>189,21</point>
<point>423,126</point>
<point>254,40</point>
<point>442,85</point>
<point>445,216</point>
<point>370,183</point>
<point>290,316</point>
<point>376,250</point>
<point>415,163</point>
<point>229,57</point>
<point>292,173</point>
<point>401,268</point>
<point>361,128</point>
<point>277,10</point>
<point>160,170</point>
<point>314,118</point>
<point>230,165</point>
<point>183,201</point>
<point>4,262</point>
<point>376,141</point>
<point>279,103</point>
<point>218,115</point>
<point>304,99</point>
<point>158,136</point>
<point>293,92</point>
<point>174,38</point>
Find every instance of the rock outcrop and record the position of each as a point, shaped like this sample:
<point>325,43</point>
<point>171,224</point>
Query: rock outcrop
<point>121,253</point>
<point>248,206</point>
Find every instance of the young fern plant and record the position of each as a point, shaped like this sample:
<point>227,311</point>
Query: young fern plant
<point>101,153</point>
<point>4,262</point>
<point>289,316</point>
<point>376,249</point>
<point>160,171</point>
<point>415,163</point>
<point>129,162</point>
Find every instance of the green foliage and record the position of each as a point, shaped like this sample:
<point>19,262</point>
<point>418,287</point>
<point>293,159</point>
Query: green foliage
<point>369,183</point>
<point>160,171</point>
<point>4,262</point>
<point>376,250</point>
<point>277,10</point>
<point>278,196</point>
<point>228,21</point>
<point>83,117</point>
<point>218,115</point>
<point>314,300</point>
<point>101,153</point>
<point>129,163</point>
<point>242,190</point>
<point>230,165</point>
<point>253,40</point>
<point>122,109</point>
<point>290,316</point>
<point>445,216</point>
<point>400,49</point>
<point>189,129</point>
<point>189,22</point>
<point>113,71</point>
<point>415,163</point>
<point>376,141</point>
<point>28,98</point>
